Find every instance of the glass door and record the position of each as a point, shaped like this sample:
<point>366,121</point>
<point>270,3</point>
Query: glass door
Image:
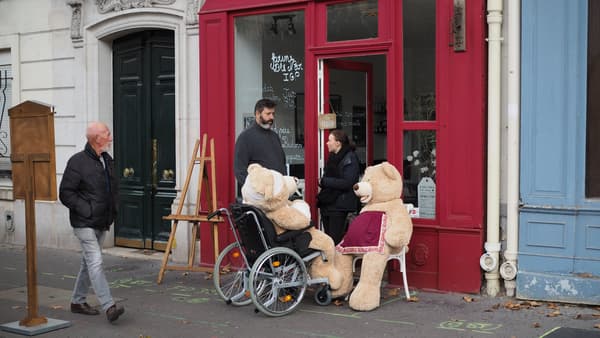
<point>354,90</point>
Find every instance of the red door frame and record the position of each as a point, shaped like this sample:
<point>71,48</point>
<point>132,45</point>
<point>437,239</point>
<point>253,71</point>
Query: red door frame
<point>358,67</point>
<point>444,253</point>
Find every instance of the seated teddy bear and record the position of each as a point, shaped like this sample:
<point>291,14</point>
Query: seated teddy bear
<point>269,191</point>
<point>382,228</point>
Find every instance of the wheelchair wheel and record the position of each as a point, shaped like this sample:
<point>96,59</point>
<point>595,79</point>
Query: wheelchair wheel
<point>323,295</point>
<point>278,281</point>
<point>230,276</point>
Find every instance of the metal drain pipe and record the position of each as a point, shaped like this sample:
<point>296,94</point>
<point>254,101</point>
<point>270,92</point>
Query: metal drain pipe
<point>508,269</point>
<point>489,260</point>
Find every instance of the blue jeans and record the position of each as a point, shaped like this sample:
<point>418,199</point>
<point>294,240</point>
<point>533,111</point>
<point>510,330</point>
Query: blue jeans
<point>91,271</point>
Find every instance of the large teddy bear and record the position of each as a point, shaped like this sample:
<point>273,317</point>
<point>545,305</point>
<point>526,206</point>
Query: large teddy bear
<point>269,191</point>
<point>382,228</point>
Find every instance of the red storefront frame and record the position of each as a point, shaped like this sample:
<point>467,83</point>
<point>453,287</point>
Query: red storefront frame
<point>444,252</point>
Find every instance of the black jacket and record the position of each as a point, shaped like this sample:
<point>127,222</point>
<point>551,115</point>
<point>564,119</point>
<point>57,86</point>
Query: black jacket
<point>89,191</point>
<point>348,172</point>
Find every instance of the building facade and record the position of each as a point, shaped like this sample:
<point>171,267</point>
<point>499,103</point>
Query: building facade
<point>132,64</point>
<point>486,107</point>
<point>559,223</point>
<point>405,85</point>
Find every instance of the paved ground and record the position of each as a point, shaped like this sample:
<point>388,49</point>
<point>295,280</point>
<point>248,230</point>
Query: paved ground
<point>186,305</point>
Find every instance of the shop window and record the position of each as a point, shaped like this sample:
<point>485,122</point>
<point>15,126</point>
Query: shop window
<point>269,63</point>
<point>419,60</point>
<point>352,21</point>
<point>419,174</point>
<point>592,154</point>
<point>5,104</point>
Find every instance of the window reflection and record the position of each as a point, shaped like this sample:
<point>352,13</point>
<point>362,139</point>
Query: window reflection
<point>419,60</point>
<point>352,21</point>
<point>420,168</point>
<point>269,63</point>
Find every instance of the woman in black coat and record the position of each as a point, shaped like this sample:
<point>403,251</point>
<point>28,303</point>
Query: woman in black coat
<point>336,198</point>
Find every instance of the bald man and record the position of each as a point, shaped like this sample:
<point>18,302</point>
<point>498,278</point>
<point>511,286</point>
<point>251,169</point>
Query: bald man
<point>89,189</point>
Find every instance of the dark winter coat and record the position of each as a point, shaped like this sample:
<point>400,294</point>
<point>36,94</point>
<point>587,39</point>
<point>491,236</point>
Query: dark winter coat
<point>89,191</point>
<point>340,184</point>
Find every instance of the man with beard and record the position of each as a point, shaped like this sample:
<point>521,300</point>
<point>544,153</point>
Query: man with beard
<point>259,144</point>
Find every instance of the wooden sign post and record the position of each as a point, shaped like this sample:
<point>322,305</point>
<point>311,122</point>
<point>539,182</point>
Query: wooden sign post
<point>34,178</point>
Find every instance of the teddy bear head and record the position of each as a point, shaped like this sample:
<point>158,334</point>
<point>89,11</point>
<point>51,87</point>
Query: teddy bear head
<point>267,189</point>
<point>380,183</point>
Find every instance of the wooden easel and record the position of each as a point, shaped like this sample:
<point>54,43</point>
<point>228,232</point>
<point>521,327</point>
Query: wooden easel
<point>199,215</point>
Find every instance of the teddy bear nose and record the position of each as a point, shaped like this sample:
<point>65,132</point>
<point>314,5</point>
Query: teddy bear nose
<point>355,186</point>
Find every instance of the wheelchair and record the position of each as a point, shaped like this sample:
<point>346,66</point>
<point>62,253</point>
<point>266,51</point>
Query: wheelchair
<point>264,268</point>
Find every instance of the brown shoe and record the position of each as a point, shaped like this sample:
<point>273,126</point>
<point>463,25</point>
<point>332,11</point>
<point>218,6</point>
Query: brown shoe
<point>114,312</point>
<point>84,309</point>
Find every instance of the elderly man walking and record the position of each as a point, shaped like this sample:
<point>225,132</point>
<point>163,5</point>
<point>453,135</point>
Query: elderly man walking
<point>89,189</point>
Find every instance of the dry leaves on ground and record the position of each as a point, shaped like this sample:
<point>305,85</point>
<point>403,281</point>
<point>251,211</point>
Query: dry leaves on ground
<point>597,326</point>
<point>392,293</point>
<point>536,324</point>
<point>413,299</point>
<point>553,314</point>
<point>56,307</point>
<point>469,299</point>
<point>338,302</point>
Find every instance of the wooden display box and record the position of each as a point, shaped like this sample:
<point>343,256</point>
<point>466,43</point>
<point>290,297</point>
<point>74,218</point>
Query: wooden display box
<point>32,136</point>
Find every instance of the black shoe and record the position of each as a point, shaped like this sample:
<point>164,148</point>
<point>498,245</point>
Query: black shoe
<point>114,312</point>
<point>84,308</point>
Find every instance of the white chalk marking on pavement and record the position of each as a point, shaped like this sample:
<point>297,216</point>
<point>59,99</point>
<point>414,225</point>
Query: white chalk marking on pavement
<point>311,334</point>
<point>395,321</point>
<point>549,332</point>
<point>332,314</point>
<point>9,268</point>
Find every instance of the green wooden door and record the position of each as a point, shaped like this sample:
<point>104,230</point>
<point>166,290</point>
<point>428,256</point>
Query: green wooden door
<point>144,136</point>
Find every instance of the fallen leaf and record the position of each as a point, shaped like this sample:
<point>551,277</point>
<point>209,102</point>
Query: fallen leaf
<point>226,269</point>
<point>512,306</point>
<point>56,307</point>
<point>553,306</point>
<point>338,302</point>
<point>16,307</point>
<point>597,326</point>
<point>536,325</point>
<point>496,306</point>
<point>393,292</point>
<point>413,299</point>
<point>553,314</point>
<point>468,299</point>
<point>578,316</point>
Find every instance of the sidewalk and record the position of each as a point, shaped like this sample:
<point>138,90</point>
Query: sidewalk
<point>186,305</point>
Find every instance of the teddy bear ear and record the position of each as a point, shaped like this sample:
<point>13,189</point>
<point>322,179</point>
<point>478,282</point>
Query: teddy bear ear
<point>390,171</point>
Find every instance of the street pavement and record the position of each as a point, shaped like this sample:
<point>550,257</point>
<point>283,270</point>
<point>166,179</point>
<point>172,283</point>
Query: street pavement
<point>186,305</point>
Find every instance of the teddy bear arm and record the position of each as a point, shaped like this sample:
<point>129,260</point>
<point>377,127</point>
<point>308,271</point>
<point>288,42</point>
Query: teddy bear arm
<point>399,228</point>
<point>289,219</point>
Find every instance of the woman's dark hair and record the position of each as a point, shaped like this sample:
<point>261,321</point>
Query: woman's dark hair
<point>341,136</point>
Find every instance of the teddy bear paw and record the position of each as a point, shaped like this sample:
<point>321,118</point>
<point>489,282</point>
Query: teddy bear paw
<point>364,299</point>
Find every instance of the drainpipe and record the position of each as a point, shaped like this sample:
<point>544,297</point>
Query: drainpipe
<point>489,260</point>
<point>508,269</point>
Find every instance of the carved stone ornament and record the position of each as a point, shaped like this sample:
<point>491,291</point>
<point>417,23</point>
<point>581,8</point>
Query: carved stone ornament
<point>193,6</point>
<point>105,6</point>
<point>75,19</point>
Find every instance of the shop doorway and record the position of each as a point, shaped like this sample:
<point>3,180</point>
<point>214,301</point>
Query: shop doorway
<point>144,136</point>
<point>355,91</point>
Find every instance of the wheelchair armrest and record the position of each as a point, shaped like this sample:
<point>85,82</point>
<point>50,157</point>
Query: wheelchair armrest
<point>286,236</point>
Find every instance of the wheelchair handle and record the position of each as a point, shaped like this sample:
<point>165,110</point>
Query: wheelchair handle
<point>215,213</point>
